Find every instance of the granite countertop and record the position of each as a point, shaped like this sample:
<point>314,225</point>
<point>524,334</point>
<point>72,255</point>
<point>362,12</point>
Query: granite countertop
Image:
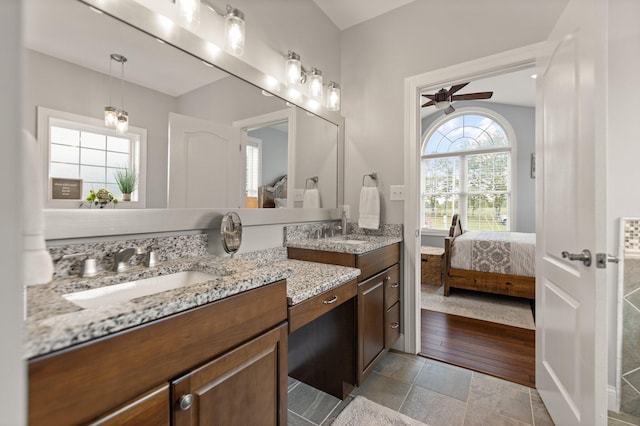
<point>352,243</point>
<point>54,323</point>
<point>307,279</point>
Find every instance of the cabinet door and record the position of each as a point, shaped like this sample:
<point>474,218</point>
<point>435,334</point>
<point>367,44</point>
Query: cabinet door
<point>246,386</point>
<point>152,408</point>
<point>371,312</point>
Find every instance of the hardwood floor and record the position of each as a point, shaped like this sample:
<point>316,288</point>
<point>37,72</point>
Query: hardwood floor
<point>495,349</point>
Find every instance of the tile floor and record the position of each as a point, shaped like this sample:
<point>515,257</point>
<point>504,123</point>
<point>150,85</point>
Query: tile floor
<point>435,393</point>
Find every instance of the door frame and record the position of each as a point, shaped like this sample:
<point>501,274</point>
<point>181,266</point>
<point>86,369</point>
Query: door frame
<point>500,63</point>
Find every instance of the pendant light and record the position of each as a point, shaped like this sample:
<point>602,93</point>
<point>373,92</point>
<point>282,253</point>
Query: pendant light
<point>117,117</point>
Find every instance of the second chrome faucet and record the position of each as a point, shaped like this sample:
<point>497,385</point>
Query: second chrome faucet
<point>121,258</point>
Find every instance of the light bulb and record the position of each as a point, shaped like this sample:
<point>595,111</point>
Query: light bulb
<point>110,116</point>
<point>189,13</point>
<point>293,68</point>
<point>122,126</point>
<point>315,84</point>
<point>234,32</point>
<point>333,97</point>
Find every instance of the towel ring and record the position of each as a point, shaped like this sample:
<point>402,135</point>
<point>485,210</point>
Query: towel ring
<point>314,182</point>
<point>373,176</point>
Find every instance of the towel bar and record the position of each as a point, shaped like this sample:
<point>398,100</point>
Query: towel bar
<point>312,179</point>
<point>373,176</point>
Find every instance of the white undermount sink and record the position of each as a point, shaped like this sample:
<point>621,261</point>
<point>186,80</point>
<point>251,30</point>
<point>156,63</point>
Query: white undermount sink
<point>132,289</point>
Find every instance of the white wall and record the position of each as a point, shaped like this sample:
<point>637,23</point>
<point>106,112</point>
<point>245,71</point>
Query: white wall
<point>623,146</point>
<point>379,54</point>
<point>61,85</point>
<point>12,368</point>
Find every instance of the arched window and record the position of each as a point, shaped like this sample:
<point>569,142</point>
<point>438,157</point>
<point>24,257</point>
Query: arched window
<point>466,169</point>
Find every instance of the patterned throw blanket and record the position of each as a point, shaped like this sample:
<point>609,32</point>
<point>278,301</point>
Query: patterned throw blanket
<point>500,252</point>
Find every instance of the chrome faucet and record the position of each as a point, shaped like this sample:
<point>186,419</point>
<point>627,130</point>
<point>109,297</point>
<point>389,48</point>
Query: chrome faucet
<point>121,258</point>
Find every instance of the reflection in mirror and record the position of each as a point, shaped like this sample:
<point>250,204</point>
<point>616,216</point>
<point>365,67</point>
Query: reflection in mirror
<point>200,151</point>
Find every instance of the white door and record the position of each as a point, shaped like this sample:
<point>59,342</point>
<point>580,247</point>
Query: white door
<point>571,366</point>
<point>206,168</point>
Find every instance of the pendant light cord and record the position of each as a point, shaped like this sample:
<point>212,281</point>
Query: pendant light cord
<point>122,86</point>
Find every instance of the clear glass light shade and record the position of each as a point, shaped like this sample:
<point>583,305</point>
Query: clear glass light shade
<point>293,68</point>
<point>122,125</point>
<point>315,84</point>
<point>188,13</point>
<point>333,97</point>
<point>234,32</point>
<point>110,116</point>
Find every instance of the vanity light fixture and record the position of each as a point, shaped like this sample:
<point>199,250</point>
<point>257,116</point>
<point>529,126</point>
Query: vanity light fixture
<point>333,97</point>
<point>234,32</point>
<point>293,68</point>
<point>188,13</point>
<point>114,117</point>
<point>315,84</point>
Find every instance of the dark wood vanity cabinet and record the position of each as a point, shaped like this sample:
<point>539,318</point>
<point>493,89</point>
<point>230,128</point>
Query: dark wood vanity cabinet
<point>234,353</point>
<point>377,302</point>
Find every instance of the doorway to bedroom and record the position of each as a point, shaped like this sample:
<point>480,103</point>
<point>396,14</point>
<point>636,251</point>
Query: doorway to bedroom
<point>476,164</point>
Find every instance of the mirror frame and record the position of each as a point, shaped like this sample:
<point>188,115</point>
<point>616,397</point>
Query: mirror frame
<point>63,224</point>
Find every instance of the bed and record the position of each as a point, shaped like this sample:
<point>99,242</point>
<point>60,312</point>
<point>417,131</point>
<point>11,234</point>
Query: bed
<point>488,261</point>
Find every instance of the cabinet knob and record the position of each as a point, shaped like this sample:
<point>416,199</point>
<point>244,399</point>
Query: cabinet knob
<point>186,401</point>
<point>395,325</point>
<point>395,285</point>
<point>387,278</point>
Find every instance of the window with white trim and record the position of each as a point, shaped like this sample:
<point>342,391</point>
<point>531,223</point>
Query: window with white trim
<point>253,166</point>
<point>466,169</point>
<point>79,147</point>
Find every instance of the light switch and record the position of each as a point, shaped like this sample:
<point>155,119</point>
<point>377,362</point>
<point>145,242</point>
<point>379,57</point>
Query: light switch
<point>397,192</point>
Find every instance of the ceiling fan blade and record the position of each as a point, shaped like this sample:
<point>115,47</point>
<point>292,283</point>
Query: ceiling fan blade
<point>449,109</point>
<point>456,88</point>
<point>469,96</point>
<point>429,104</point>
<point>432,97</point>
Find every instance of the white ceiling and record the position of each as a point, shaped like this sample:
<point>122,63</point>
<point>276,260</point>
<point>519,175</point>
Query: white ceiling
<point>346,13</point>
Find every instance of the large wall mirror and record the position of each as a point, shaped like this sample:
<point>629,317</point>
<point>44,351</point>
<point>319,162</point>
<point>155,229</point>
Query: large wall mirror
<point>213,140</point>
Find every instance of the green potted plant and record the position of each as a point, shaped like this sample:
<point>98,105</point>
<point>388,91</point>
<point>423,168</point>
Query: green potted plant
<point>127,181</point>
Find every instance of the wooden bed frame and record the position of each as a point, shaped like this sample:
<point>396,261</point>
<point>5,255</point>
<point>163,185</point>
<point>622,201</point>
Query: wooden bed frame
<point>490,282</point>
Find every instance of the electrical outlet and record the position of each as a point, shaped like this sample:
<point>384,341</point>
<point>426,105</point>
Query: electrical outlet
<point>299,195</point>
<point>347,210</point>
<point>397,192</point>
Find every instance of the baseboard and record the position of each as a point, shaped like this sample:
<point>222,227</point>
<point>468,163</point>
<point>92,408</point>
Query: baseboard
<point>612,398</point>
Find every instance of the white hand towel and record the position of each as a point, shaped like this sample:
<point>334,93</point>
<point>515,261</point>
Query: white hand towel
<point>37,264</point>
<point>311,199</point>
<point>369,208</point>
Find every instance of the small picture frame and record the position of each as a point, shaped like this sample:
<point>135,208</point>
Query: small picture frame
<point>66,189</point>
<point>533,166</point>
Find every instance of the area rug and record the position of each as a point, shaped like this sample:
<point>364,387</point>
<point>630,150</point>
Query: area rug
<point>361,412</point>
<point>484,306</point>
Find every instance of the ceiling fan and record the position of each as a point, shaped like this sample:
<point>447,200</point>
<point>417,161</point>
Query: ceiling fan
<point>442,98</point>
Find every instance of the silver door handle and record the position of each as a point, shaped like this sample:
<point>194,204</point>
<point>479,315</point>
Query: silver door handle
<point>584,257</point>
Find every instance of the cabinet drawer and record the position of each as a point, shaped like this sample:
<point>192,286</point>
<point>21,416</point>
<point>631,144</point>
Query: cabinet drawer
<point>305,312</point>
<point>392,325</point>
<point>391,286</point>
<point>377,260</point>
<point>151,408</point>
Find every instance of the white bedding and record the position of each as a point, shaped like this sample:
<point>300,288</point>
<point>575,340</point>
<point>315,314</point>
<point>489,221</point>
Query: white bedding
<point>490,251</point>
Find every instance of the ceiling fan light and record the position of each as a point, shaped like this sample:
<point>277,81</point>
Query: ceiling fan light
<point>442,105</point>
